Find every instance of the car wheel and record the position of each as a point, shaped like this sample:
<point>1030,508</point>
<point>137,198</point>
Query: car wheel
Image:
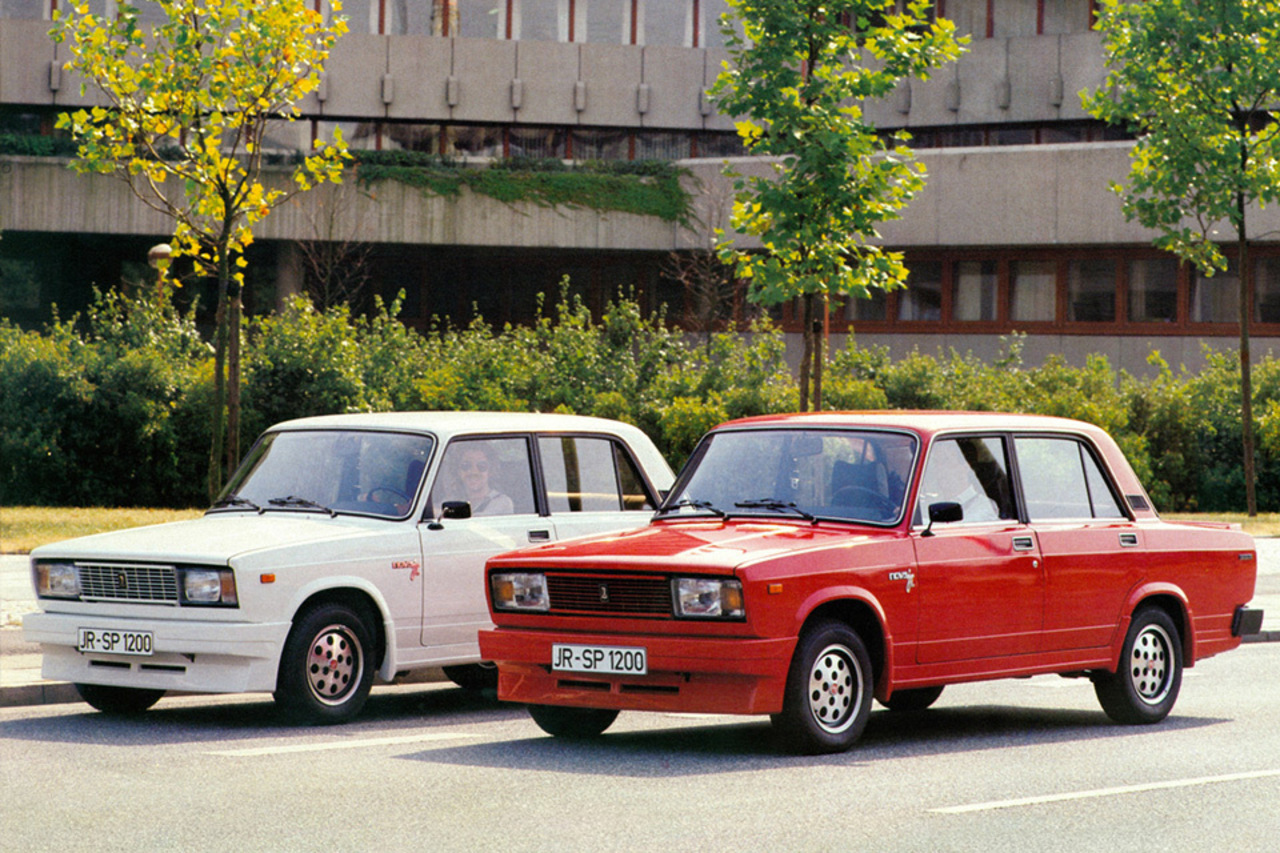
<point>1144,687</point>
<point>118,700</point>
<point>566,722</point>
<point>325,669</point>
<point>828,693</point>
<point>916,699</point>
<point>474,676</point>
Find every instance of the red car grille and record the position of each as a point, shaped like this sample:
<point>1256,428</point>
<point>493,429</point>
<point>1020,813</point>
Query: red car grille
<point>641,596</point>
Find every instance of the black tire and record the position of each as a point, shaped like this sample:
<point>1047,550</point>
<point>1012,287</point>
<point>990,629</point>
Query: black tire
<point>573,723</point>
<point>1145,685</point>
<point>326,669</point>
<point>477,677</point>
<point>828,693</point>
<point>916,699</point>
<point>123,701</point>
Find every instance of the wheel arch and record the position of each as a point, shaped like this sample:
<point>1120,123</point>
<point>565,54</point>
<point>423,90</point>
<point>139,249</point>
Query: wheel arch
<point>1174,603</point>
<point>864,616</point>
<point>364,602</point>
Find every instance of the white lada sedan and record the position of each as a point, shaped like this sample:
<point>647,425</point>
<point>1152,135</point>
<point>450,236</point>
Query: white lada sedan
<point>345,548</point>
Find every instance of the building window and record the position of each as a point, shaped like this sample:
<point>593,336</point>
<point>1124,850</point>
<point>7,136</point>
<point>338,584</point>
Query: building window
<point>478,19</point>
<point>1011,18</point>
<point>1091,290</point>
<point>654,145</point>
<point>873,309</point>
<point>975,288</point>
<point>969,16</point>
<point>1153,290</point>
<point>664,22</point>
<point>1032,289</point>
<point>607,21</point>
<point>1066,16</point>
<point>1266,287</point>
<point>1216,299</point>
<point>922,300</point>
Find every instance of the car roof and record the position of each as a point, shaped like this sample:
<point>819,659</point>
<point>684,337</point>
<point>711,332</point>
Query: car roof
<point>924,422</point>
<point>447,424</point>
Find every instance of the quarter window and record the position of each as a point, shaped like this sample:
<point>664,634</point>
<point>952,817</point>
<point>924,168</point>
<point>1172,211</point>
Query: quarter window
<point>1061,480</point>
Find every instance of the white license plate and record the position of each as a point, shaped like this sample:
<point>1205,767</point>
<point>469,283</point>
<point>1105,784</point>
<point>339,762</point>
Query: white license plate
<point>108,641</point>
<point>606,660</point>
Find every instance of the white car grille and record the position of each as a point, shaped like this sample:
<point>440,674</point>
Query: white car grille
<point>128,582</point>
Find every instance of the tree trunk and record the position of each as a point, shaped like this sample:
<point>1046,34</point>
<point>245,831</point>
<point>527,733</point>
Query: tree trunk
<point>819,353</point>
<point>1246,365</point>
<point>806,324</point>
<point>219,392</point>
<point>233,380</point>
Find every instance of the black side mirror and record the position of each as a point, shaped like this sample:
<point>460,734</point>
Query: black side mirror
<point>943,512</point>
<point>450,509</point>
<point>455,509</point>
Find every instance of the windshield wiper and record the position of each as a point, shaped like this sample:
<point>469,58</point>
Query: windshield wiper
<point>305,503</point>
<point>775,505</point>
<point>239,502</point>
<point>690,502</point>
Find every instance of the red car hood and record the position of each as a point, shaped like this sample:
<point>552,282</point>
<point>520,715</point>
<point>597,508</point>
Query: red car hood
<point>710,546</point>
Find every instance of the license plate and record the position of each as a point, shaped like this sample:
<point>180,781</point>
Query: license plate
<point>606,660</point>
<point>108,641</point>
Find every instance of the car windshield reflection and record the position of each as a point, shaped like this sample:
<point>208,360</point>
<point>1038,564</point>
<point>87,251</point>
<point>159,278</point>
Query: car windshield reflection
<point>845,475</point>
<point>330,471</point>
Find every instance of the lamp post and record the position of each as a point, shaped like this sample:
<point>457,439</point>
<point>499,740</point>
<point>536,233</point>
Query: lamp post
<point>158,258</point>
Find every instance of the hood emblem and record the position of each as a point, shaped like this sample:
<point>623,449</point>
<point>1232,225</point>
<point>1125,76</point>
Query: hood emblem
<point>604,593</point>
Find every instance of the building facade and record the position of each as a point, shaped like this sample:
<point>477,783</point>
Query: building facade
<point>1016,231</point>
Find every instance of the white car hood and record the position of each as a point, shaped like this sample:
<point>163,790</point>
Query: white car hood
<point>215,539</point>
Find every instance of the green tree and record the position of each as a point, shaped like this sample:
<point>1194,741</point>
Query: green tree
<point>799,73</point>
<point>188,102</point>
<point>1197,81</point>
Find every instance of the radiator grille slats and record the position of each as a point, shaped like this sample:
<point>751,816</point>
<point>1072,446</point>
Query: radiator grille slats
<point>141,583</point>
<point>607,594</point>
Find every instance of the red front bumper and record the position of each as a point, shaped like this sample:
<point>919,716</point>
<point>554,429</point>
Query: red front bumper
<point>686,674</point>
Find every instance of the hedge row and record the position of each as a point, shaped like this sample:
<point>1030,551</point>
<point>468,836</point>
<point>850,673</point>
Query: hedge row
<point>110,408</point>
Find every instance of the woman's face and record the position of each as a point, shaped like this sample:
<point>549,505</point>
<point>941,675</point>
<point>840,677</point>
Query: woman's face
<point>474,470</point>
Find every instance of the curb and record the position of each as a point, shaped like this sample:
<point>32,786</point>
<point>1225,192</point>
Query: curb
<point>48,693</point>
<point>1263,637</point>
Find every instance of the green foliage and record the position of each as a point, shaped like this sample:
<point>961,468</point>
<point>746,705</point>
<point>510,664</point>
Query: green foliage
<point>798,73</point>
<point>646,188</point>
<point>111,408</point>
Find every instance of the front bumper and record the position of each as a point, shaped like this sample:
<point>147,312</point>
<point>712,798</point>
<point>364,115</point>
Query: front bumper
<point>189,656</point>
<point>686,674</point>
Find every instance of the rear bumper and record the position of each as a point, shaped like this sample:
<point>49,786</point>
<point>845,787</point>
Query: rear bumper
<point>1246,621</point>
<point>685,674</point>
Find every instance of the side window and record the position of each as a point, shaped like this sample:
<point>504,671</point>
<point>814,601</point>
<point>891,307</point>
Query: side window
<point>590,475</point>
<point>972,472</point>
<point>1061,479</point>
<point>492,474</point>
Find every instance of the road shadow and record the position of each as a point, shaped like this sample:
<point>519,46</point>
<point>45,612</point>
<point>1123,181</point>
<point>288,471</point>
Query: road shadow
<point>730,747</point>
<point>247,717</point>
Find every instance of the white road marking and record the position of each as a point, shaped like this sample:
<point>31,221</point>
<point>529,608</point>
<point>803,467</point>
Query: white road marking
<point>342,744</point>
<point>1106,792</point>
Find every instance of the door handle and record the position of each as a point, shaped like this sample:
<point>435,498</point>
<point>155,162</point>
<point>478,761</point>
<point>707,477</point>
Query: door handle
<point>539,535</point>
<point>1128,540</point>
<point>1024,543</point>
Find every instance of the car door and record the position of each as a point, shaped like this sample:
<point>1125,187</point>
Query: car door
<point>494,474</point>
<point>1093,553</point>
<point>592,485</point>
<point>979,579</point>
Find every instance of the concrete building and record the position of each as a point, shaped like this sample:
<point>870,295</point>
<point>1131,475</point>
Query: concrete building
<point>1016,230</point>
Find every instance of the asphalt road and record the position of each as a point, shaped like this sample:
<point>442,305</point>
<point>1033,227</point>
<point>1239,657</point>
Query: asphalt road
<point>1027,765</point>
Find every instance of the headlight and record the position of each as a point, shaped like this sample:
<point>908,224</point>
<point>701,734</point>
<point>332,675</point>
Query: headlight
<point>215,587</point>
<point>57,580</point>
<point>519,591</point>
<point>708,598</point>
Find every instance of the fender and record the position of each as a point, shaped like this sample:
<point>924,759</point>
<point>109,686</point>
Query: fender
<point>351,582</point>
<point>1185,620</point>
<point>843,594</point>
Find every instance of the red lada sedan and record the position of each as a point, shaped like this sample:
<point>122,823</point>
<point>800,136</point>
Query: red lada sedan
<point>804,564</point>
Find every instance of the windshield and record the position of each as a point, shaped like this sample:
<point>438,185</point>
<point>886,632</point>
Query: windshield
<point>808,474</point>
<point>333,471</point>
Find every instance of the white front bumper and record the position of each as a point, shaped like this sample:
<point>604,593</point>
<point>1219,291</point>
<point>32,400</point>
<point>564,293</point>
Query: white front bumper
<point>195,656</point>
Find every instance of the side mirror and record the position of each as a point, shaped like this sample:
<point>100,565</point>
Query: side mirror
<point>450,509</point>
<point>455,509</point>
<point>943,512</point>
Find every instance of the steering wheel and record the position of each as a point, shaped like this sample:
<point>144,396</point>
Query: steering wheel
<point>857,496</point>
<point>403,498</point>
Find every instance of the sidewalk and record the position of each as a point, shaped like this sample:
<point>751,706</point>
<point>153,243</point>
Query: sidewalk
<point>21,683</point>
